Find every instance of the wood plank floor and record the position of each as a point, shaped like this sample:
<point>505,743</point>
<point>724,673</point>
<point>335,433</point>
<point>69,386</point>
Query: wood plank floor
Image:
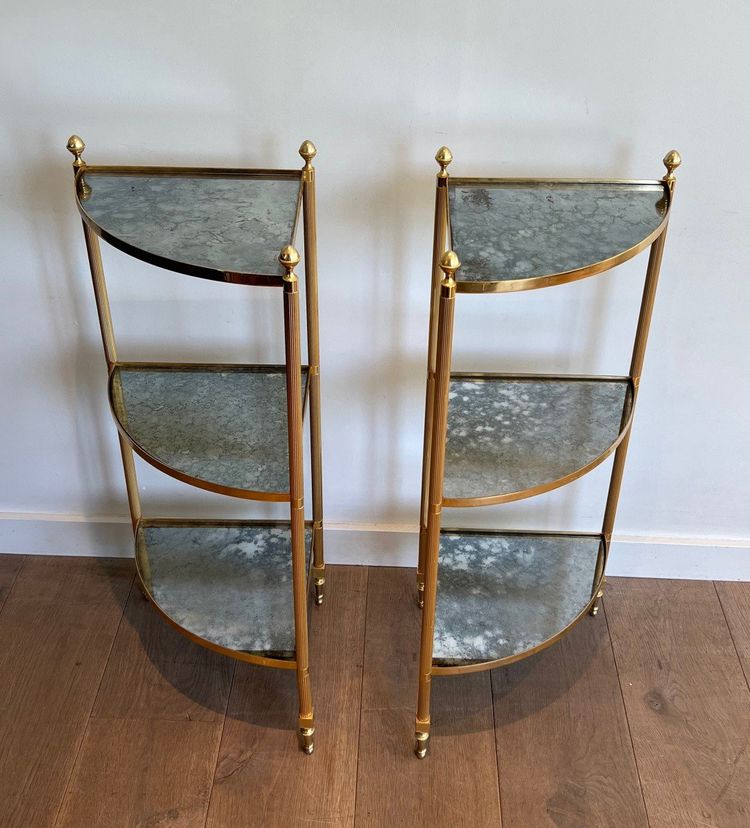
<point>640,717</point>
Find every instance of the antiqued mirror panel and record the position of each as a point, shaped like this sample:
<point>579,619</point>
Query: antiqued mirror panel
<point>222,222</point>
<point>509,231</point>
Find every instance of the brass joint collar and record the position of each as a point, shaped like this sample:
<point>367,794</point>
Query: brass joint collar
<point>297,502</point>
<point>317,524</point>
<point>448,288</point>
<point>313,370</point>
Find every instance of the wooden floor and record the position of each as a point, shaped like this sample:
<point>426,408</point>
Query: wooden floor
<point>639,717</point>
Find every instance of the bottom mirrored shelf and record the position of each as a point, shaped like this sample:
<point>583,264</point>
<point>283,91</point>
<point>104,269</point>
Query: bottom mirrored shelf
<point>501,595</point>
<point>226,584</point>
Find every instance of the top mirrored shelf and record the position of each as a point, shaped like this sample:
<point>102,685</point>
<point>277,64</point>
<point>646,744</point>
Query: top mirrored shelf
<point>520,235</point>
<point>217,224</point>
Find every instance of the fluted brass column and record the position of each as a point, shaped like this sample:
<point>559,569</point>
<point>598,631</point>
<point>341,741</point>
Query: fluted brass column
<point>444,158</point>
<point>671,161</point>
<point>76,147</point>
<point>289,259</point>
<point>449,264</point>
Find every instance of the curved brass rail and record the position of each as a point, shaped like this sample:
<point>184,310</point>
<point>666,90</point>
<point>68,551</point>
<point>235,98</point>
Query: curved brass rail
<point>533,491</point>
<point>583,272</point>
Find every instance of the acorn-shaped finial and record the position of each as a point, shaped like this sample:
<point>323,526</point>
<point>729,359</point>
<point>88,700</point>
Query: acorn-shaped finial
<point>449,263</point>
<point>672,160</point>
<point>443,156</point>
<point>289,259</point>
<point>308,152</point>
<point>75,146</point>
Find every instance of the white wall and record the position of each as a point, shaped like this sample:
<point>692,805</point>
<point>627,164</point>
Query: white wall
<point>534,88</point>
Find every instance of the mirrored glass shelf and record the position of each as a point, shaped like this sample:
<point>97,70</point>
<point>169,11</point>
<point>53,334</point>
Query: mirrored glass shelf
<point>503,595</point>
<point>520,235</point>
<point>219,427</point>
<point>510,437</point>
<point>227,585</point>
<point>221,225</point>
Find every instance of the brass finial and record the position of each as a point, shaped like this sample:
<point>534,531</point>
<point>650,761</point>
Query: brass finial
<point>76,146</point>
<point>443,156</point>
<point>289,259</point>
<point>449,264</point>
<point>672,160</point>
<point>308,152</point>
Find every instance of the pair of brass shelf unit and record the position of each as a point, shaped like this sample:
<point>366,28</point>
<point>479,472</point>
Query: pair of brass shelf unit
<point>488,438</point>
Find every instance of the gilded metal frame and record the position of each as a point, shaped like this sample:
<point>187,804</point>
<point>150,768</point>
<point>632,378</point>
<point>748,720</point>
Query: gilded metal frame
<point>443,292</point>
<point>287,280</point>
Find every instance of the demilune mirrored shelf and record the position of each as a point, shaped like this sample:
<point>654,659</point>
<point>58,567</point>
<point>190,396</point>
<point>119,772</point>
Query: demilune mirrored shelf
<point>223,428</point>
<point>518,235</point>
<point>502,595</point>
<point>509,437</point>
<point>228,584</point>
<point>218,226</point>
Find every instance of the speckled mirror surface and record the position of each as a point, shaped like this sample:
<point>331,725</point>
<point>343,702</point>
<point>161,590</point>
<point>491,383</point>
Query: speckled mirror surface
<point>501,595</point>
<point>230,585</point>
<point>236,224</point>
<point>227,427</point>
<point>506,231</point>
<point>508,435</point>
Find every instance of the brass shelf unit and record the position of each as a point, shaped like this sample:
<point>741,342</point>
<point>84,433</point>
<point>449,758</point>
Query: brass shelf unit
<point>236,587</point>
<point>490,598</point>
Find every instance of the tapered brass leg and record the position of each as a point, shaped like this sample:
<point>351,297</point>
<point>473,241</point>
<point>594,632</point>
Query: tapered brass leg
<point>444,158</point>
<point>449,264</point>
<point>308,152</point>
<point>289,258</point>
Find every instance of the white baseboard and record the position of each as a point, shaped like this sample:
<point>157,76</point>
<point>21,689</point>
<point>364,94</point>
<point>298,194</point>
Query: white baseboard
<point>719,559</point>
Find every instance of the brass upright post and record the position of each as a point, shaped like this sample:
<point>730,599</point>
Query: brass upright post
<point>449,264</point>
<point>308,152</point>
<point>76,147</point>
<point>444,158</point>
<point>672,160</point>
<point>289,259</point>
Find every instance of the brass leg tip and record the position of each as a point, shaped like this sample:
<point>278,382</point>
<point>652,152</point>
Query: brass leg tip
<point>319,591</point>
<point>420,595</point>
<point>420,745</point>
<point>599,595</point>
<point>306,739</point>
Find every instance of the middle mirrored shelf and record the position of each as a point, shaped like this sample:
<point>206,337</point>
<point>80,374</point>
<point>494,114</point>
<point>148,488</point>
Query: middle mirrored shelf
<point>218,427</point>
<point>511,437</point>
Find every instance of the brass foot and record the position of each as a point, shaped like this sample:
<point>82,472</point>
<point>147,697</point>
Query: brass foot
<point>420,595</point>
<point>595,608</point>
<point>319,590</point>
<point>420,745</point>
<point>306,740</point>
